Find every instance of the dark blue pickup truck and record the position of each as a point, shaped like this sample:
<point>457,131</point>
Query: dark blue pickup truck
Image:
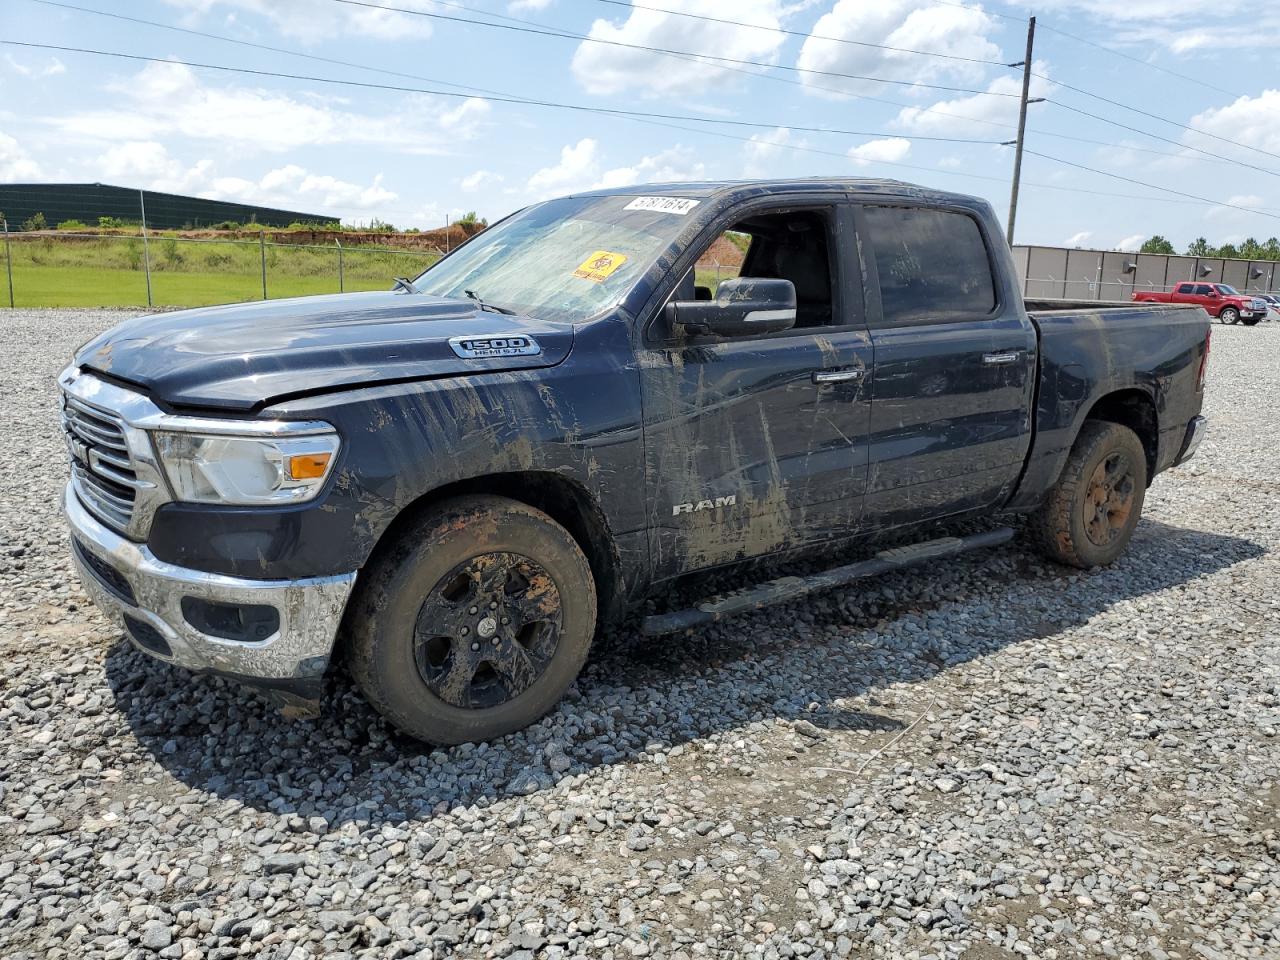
<point>452,486</point>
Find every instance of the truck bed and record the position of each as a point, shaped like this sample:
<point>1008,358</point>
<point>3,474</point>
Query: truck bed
<point>1055,305</point>
<point>1095,347</point>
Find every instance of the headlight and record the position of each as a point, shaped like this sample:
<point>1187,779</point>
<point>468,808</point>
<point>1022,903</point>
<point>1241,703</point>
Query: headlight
<point>220,468</point>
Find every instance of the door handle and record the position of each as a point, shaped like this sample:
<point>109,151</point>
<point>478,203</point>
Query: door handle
<point>836,376</point>
<point>999,359</point>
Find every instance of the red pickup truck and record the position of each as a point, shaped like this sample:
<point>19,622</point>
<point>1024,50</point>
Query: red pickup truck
<point>1218,300</point>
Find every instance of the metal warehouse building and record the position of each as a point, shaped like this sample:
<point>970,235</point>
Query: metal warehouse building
<point>88,202</point>
<point>1078,274</point>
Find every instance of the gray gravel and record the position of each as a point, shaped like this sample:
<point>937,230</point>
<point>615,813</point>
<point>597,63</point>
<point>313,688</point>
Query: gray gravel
<point>988,759</point>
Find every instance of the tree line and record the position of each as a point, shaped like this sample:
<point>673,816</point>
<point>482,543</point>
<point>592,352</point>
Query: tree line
<point>1250,249</point>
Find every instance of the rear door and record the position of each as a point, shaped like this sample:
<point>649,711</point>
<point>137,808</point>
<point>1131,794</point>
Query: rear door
<point>954,366</point>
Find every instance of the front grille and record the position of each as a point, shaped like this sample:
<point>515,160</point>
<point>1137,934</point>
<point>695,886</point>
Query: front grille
<point>110,578</point>
<point>101,466</point>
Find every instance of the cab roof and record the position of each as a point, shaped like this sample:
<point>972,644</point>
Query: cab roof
<point>733,190</point>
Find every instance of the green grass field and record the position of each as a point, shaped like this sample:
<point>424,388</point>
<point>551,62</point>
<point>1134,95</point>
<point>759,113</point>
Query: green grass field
<point>109,273</point>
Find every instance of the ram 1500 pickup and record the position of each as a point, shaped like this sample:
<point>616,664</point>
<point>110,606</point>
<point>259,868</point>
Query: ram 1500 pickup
<point>450,487</point>
<point>1218,300</point>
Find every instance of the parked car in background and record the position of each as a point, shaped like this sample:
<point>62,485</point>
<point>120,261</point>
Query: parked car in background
<point>452,486</point>
<point>1273,302</point>
<point>1219,300</point>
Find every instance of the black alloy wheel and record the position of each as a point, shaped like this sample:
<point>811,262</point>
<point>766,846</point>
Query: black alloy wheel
<point>487,630</point>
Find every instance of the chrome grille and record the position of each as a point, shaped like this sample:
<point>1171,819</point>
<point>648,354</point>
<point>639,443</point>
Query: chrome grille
<point>102,469</point>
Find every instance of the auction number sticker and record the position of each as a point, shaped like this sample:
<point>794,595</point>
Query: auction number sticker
<point>600,265</point>
<point>680,206</point>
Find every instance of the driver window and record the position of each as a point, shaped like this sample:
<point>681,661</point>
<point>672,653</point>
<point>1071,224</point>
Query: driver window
<point>794,246</point>
<point>1204,290</point>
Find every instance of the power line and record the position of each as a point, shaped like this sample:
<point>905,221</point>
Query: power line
<point>1156,136</point>
<point>563,34</point>
<point>1137,60</point>
<point>263,46</point>
<point>1155,116</point>
<point>582,108</point>
<point>460,86</point>
<point>626,4</point>
<point>1152,186</point>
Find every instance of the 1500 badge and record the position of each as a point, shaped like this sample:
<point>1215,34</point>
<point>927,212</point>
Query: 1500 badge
<point>477,348</point>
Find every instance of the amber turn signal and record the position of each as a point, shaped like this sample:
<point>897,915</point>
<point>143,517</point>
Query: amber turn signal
<point>308,466</point>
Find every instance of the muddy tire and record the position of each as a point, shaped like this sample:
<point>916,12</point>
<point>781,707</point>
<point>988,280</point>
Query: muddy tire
<point>473,622</point>
<point>1229,315</point>
<point>1089,515</point>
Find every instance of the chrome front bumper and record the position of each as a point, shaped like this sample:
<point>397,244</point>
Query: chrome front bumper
<point>145,594</point>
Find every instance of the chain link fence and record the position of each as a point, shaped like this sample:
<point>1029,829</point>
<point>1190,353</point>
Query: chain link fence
<point>63,269</point>
<point>53,259</point>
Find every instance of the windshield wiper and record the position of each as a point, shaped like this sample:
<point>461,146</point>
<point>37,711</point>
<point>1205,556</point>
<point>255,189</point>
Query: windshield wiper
<point>492,307</point>
<point>406,285</point>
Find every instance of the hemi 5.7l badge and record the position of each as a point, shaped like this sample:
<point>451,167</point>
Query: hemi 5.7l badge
<point>477,348</point>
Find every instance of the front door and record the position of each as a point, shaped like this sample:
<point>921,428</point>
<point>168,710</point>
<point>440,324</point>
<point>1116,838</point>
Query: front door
<point>757,444</point>
<point>955,361</point>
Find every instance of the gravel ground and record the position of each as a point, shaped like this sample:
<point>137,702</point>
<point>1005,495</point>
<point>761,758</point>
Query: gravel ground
<point>989,758</point>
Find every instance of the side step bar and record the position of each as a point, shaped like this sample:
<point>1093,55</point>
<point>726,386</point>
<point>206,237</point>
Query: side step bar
<point>789,588</point>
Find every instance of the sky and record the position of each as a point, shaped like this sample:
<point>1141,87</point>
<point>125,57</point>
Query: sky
<point>458,139</point>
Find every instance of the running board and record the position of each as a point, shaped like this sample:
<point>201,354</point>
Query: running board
<point>790,588</point>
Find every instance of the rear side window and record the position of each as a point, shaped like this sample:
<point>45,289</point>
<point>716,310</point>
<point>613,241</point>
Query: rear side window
<point>933,264</point>
<point>1186,288</point>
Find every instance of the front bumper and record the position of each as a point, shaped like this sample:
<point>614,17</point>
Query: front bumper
<point>1196,430</point>
<point>146,595</point>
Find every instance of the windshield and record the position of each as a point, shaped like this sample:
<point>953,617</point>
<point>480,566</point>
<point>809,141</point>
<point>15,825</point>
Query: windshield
<point>562,260</point>
<point>1226,291</point>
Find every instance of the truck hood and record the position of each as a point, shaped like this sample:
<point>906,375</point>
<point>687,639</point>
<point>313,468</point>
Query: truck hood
<point>242,356</point>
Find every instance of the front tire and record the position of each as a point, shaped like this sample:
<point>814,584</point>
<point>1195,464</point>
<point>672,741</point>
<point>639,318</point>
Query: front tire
<point>473,622</point>
<point>1089,515</point>
<point>1250,321</point>
<point>1229,315</point>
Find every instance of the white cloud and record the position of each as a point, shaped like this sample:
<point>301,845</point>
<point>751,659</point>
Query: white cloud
<point>528,6</point>
<point>888,150</point>
<point>1078,239</point>
<point>959,114</point>
<point>15,164</point>
<point>1251,120</point>
<point>675,164</point>
<point>474,181</point>
<point>763,149</point>
<point>293,185</point>
<point>580,168</point>
<point>312,22</point>
<point>1130,244</point>
<point>1248,200</point>
<point>909,24</point>
<point>603,69</point>
<point>575,171</point>
<point>52,68</point>
<point>165,100</point>
<point>149,164</point>
<point>1145,10</point>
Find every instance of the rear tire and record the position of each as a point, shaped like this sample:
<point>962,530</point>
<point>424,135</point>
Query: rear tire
<point>473,622</point>
<point>1089,515</point>
<point>1229,315</point>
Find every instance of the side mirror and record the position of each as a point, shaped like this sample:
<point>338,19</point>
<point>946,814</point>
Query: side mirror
<point>744,306</point>
<point>1213,294</point>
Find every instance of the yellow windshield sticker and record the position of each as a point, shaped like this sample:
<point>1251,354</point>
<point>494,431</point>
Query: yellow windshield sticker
<point>600,265</point>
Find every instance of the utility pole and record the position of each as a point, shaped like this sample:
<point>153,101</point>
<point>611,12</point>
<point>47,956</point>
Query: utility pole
<point>1022,126</point>
<point>8,258</point>
<point>146,250</point>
